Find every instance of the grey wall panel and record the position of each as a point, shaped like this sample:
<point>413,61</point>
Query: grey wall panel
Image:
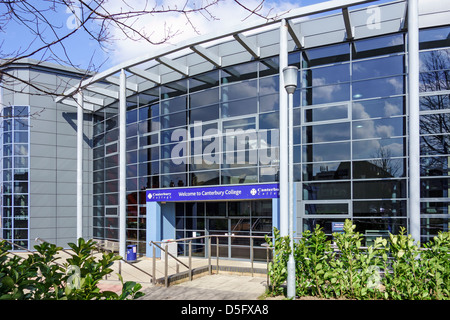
<point>42,163</point>
<point>38,175</point>
<point>42,150</point>
<point>42,188</point>
<point>39,124</point>
<point>41,200</point>
<point>42,138</point>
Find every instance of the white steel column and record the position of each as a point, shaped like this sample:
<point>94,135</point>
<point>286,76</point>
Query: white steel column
<point>414,138</point>
<point>80,165</point>
<point>284,181</point>
<point>122,164</point>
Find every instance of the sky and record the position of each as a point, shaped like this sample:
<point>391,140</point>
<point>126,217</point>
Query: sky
<point>84,52</point>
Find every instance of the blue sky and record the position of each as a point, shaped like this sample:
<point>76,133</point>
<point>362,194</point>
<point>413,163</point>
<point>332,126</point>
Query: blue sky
<point>83,51</point>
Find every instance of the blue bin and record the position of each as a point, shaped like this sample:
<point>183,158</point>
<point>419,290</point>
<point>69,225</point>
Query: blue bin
<point>131,253</point>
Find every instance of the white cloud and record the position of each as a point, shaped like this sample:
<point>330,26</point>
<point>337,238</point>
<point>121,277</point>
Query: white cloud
<point>226,13</point>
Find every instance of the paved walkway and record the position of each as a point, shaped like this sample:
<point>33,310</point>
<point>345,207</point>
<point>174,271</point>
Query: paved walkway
<point>236,285</point>
<point>210,287</point>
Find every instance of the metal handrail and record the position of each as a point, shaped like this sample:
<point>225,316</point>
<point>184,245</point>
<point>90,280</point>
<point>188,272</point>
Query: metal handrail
<point>208,243</point>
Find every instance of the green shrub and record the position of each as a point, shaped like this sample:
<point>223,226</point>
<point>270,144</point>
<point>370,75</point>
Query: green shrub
<point>395,268</point>
<point>41,277</point>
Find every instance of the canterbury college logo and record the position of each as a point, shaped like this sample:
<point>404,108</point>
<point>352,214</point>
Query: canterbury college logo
<point>253,191</point>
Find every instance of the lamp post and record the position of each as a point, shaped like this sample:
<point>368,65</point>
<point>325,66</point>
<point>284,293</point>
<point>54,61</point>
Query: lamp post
<point>290,75</point>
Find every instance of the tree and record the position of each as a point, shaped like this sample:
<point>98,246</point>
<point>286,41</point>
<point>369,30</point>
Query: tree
<point>101,20</point>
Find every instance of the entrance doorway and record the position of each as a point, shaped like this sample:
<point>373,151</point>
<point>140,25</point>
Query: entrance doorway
<point>232,221</point>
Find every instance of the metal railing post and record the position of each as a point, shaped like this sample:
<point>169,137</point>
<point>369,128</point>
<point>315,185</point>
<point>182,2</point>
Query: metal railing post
<point>251,254</point>
<point>217,253</point>
<point>154,264</point>
<point>190,260</point>
<point>166,267</point>
<point>209,255</point>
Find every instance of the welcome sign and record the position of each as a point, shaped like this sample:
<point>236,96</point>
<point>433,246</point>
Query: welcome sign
<point>232,192</point>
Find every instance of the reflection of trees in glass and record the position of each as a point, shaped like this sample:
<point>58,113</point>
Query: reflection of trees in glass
<point>387,167</point>
<point>435,76</point>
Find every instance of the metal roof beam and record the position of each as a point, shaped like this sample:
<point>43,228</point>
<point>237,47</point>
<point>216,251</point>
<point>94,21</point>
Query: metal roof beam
<point>114,80</point>
<point>249,45</point>
<point>105,92</point>
<point>72,103</point>
<point>155,78</point>
<point>174,65</point>
<point>299,40</point>
<point>207,55</point>
<point>349,29</point>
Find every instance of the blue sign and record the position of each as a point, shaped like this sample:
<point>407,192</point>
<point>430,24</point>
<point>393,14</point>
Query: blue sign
<point>232,192</point>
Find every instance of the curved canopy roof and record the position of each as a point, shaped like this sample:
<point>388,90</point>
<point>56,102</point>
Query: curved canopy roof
<point>311,26</point>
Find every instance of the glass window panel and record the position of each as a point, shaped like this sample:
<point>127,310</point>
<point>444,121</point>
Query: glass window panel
<point>204,98</point>
<point>175,150</point>
<point>204,114</point>
<point>438,102</point>
<point>434,188</point>
<point>204,81</point>
<point>172,166</point>
<point>435,207</point>
<point>131,145</point>
<point>378,46</point>
<point>326,94</point>
<point>326,191</point>
<point>7,150</point>
<point>199,163</point>
<point>383,87</point>
<point>435,123</point>
<point>384,189</point>
<point>326,113</point>
<point>239,108</point>
<point>386,208</point>
<point>326,208</point>
<point>325,75</point>
<point>376,108</point>
<point>173,180</point>
<point>269,66</point>
<point>239,124</point>
<point>434,144</point>
<point>149,140</point>
<point>376,68</point>
<point>239,72</point>
<point>20,124</point>
<point>21,174</point>
<point>204,178</point>
<point>326,171</point>
<point>20,162</point>
<point>132,116</point>
<point>21,149</point>
<point>269,102</point>
<point>269,85</point>
<point>174,89</point>
<point>173,120</point>
<point>379,148</point>
<point>216,208</point>
<point>237,176</point>
<point>21,111</point>
<point>326,55</point>
<point>434,166</point>
<point>326,132</point>
<point>434,81</point>
<point>7,137</point>
<point>269,120</point>
<point>269,174</point>
<point>379,128</point>
<point>21,136</point>
<point>379,168</point>
<point>326,152</point>
<point>434,37</point>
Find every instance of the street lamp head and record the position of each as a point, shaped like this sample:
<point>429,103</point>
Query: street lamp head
<point>290,78</point>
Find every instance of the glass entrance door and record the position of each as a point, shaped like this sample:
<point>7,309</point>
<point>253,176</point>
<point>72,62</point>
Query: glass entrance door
<point>232,221</point>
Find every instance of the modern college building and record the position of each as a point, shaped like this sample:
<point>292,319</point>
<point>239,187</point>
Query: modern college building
<point>193,140</point>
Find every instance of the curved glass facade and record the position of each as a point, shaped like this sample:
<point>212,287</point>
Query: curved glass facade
<point>350,139</point>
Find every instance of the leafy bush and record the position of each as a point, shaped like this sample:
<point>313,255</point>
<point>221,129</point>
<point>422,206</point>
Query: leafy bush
<point>41,277</point>
<point>394,268</point>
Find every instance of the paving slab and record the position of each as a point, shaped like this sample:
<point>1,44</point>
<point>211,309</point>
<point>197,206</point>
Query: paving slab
<point>210,287</point>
